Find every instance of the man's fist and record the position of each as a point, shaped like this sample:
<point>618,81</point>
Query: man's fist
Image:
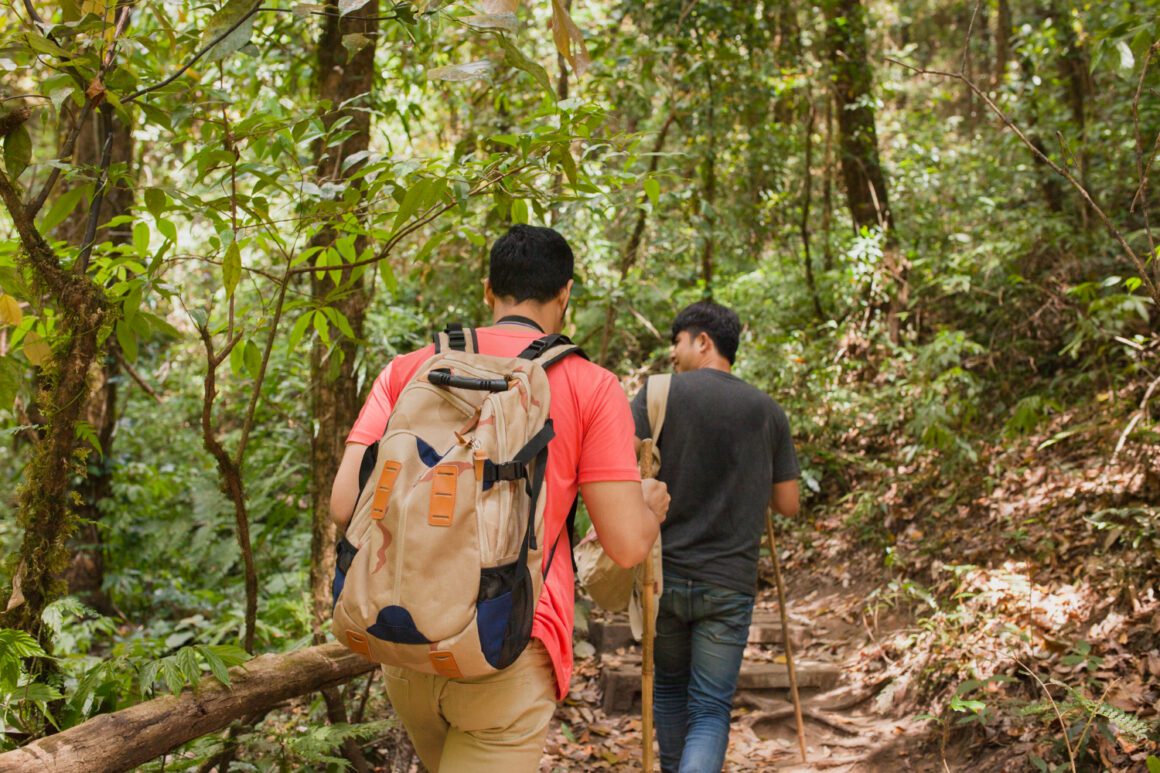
<point>656,496</point>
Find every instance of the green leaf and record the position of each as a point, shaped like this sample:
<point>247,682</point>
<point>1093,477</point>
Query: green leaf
<point>36,692</point>
<point>299,330</point>
<point>228,15</point>
<point>187,661</point>
<point>411,201</point>
<point>347,6</point>
<point>141,238</point>
<point>217,666</point>
<point>17,151</point>
<point>340,321</point>
<point>155,201</point>
<point>252,357</point>
<point>87,433</point>
<point>652,189</point>
<point>1153,764</point>
<point>171,673</point>
<point>63,207</point>
<point>513,57</point>
<point>238,359</point>
<point>167,229</point>
<point>11,379</point>
<point>127,339</point>
<point>519,211</point>
<point>232,268</point>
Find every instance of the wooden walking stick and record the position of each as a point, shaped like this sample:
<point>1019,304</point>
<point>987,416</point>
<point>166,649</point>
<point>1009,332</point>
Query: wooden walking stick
<point>793,688</point>
<point>648,605</point>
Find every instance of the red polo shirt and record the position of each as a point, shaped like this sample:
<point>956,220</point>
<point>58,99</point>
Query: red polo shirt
<point>593,443</point>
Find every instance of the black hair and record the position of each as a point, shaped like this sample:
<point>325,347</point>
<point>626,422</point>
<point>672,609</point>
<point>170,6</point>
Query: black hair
<point>720,323</point>
<point>530,263</point>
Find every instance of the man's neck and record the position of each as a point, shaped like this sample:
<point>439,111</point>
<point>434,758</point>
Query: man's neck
<point>535,312</point>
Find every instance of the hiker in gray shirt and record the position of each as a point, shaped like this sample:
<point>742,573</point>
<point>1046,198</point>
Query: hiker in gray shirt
<point>726,454</point>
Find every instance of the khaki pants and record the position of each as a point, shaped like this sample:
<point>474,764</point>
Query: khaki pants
<point>496,723</point>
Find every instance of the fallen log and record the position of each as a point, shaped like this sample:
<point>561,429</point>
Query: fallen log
<point>133,736</point>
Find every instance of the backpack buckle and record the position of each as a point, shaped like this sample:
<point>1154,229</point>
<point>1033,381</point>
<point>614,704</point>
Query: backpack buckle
<point>493,472</point>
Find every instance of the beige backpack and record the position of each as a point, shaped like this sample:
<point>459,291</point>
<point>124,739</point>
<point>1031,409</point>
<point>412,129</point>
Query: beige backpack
<point>612,587</point>
<point>439,570</point>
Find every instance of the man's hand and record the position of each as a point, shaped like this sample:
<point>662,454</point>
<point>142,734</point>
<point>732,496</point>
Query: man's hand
<point>656,496</point>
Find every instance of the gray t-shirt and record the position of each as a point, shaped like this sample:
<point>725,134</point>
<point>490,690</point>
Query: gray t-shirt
<point>723,444</point>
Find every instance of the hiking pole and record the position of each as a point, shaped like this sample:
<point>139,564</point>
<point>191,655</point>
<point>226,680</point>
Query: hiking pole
<point>793,688</point>
<point>648,604</point>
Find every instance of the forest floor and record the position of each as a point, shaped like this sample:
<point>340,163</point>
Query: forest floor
<point>967,629</point>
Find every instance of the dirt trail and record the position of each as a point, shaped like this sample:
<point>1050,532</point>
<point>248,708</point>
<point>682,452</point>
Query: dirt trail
<point>851,725</point>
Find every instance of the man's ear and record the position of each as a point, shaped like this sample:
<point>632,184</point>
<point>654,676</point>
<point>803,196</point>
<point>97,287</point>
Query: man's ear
<point>704,342</point>
<point>488,294</point>
<point>564,296</point>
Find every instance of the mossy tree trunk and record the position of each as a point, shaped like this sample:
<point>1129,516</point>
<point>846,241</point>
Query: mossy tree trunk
<point>46,504</point>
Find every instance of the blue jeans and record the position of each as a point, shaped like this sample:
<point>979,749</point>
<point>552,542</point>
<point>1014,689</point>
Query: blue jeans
<point>701,634</point>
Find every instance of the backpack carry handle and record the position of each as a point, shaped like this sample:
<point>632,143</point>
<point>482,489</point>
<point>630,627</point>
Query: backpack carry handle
<point>444,378</point>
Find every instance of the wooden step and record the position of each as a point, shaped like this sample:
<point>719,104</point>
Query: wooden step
<point>621,679</point>
<point>613,632</point>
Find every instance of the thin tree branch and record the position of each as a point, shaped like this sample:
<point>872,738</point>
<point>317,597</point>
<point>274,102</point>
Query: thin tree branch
<point>196,57</point>
<point>1142,168</point>
<point>136,376</point>
<point>82,261</point>
<point>431,214</point>
<point>1145,275</point>
<point>252,409</point>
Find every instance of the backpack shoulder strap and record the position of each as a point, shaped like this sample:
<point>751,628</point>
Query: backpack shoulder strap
<point>550,349</point>
<point>658,401</point>
<point>456,337</point>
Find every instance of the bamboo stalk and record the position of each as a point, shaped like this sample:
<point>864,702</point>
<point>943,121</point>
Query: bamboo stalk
<point>793,687</point>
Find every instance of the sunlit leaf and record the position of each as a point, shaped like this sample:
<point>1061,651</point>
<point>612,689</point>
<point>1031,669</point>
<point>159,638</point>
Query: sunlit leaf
<point>652,189</point>
<point>10,313</point>
<point>478,70</point>
<point>496,7</point>
<point>233,12</point>
<point>36,349</point>
<point>355,42</point>
<point>497,21</point>
<point>347,6</point>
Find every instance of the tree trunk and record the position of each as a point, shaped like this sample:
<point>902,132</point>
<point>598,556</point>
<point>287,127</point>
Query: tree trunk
<point>86,572</point>
<point>866,192</point>
<point>343,79</point>
<point>1002,43</point>
<point>44,511</point>
<point>133,736</point>
<point>852,74</point>
<point>828,187</point>
<point>334,393</point>
<point>804,224</point>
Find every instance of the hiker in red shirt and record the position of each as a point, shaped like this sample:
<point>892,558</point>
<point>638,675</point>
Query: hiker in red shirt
<point>499,722</point>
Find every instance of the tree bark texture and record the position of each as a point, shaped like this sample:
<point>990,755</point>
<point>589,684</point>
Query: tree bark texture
<point>334,394</point>
<point>133,736</point>
<point>44,511</point>
<point>852,77</point>
<point>85,575</point>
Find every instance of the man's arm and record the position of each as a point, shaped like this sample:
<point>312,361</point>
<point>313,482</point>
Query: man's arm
<point>344,492</point>
<point>627,516</point>
<point>785,498</point>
